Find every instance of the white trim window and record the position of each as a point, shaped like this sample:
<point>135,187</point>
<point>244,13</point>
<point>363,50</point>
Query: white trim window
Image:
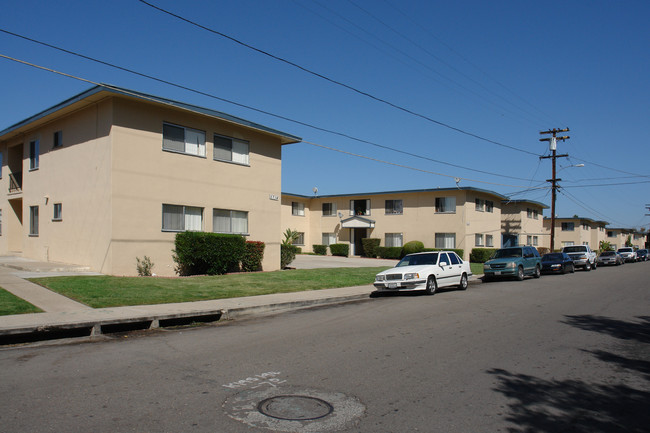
<point>230,221</point>
<point>180,139</point>
<point>297,208</point>
<point>57,139</point>
<point>178,218</point>
<point>33,220</point>
<point>329,238</point>
<point>532,213</point>
<point>300,239</point>
<point>231,150</point>
<point>360,207</point>
<point>489,206</point>
<point>489,241</point>
<point>445,205</point>
<point>393,240</point>
<point>329,209</point>
<point>478,239</point>
<point>445,240</point>
<point>479,205</point>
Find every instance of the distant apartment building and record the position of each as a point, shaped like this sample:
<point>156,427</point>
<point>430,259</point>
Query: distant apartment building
<point>112,174</point>
<point>462,218</point>
<point>576,231</point>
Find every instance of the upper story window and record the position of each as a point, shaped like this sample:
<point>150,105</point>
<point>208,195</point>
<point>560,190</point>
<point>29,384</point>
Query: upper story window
<point>297,208</point>
<point>58,212</point>
<point>532,213</point>
<point>182,218</point>
<point>57,140</point>
<point>360,207</point>
<point>33,154</point>
<point>445,205</point>
<point>585,227</point>
<point>183,140</point>
<point>231,150</point>
<point>394,207</point>
<point>611,234</point>
<point>489,206</point>
<point>479,205</point>
<point>568,227</point>
<point>1,165</point>
<point>329,209</point>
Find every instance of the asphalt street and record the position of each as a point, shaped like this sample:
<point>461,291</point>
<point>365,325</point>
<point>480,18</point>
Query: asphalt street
<point>560,353</point>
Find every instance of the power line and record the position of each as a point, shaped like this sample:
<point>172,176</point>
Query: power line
<point>336,82</point>
<point>307,142</point>
<point>329,131</point>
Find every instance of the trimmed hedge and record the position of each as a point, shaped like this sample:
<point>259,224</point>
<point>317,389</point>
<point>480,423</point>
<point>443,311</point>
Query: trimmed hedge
<point>481,255</point>
<point>370,246</point>
<point>287,254</point>
<point>340,249</point>
<point>321,250</point>
<point>412,247</point>
<point>389,252</point>
<point>253,255</point>
<point>199,253</point>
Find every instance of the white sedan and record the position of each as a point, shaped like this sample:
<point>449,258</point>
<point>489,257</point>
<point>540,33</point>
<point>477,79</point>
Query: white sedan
<point>425,271</point>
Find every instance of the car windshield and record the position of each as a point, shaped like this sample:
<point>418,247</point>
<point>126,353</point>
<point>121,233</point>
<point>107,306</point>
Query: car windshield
<point>625,250</point>
<point>551,257</point>
<point>576,249</point>
<point>608,253</point>
<point>419,259</point>
<point>507,253</point>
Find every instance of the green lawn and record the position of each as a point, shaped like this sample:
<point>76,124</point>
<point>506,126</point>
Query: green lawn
<point>477,268</point>
<point>107,291</point>
<point>10,304</point>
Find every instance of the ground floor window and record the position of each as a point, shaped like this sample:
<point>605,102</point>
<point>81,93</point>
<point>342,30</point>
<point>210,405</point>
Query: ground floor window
<point>489,240</point>
<point>329,238</point>
<point>229,221</point>
<point>300,240</point>
<point>178,218</point>
<point>567,243</point>
<point>393,240</point>
<point>445,240</point>
<point>33,220</point>
<point>478,240</point>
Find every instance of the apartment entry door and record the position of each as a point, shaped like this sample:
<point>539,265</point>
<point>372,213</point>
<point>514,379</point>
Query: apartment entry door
<point>357,245</point>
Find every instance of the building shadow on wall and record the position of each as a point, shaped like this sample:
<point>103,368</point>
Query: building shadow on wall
<point>612,406</point>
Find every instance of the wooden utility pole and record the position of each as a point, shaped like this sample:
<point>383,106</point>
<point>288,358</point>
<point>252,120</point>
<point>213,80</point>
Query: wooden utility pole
<point>554,180</point>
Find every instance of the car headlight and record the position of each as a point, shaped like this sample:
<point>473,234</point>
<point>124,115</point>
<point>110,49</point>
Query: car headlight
<point>556,266</point>
<point>511,265</point>
<point>411,276</point>
<point>486,266</point>
<point>380,278</point>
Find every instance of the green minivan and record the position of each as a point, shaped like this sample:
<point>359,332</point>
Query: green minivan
<point>513,262</point>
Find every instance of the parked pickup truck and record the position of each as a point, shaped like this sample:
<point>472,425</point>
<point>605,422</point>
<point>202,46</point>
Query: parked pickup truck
<point>582,256</point>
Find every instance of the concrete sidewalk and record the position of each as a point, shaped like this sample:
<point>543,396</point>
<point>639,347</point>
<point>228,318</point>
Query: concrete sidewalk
<point>65,318</point>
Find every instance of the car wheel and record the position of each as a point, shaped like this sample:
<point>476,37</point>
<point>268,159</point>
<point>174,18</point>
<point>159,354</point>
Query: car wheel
<point>565,269</point>
<point>538,272</point>
<point>594,266</point>
<point>463,282</point>
<point>432,286</point>
<point>588,267</point>
<point>520,273</point>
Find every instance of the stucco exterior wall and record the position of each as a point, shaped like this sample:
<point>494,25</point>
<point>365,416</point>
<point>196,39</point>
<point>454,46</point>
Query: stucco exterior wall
<point>146,177</point>
<point>77,175</point>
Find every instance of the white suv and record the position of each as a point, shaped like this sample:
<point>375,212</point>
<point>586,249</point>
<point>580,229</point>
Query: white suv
<point>628,254</point>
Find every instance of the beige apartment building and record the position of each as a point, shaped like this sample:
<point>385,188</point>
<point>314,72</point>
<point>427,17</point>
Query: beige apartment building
<point>522,223</point>
<point>576,231</point>
<point>112,174</point>
<point>462,218</point>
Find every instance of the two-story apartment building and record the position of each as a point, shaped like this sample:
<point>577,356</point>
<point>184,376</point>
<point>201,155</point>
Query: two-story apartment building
<point>577,231</point>
<point>461,218</point>
<point>522,223</point>
<point>112,174</point>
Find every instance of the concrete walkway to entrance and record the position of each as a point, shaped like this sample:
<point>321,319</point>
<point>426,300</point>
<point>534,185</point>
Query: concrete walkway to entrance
<point>14,270</point>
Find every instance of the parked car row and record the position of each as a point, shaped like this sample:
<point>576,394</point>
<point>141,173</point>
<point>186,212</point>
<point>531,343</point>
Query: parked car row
<point>429,271</point>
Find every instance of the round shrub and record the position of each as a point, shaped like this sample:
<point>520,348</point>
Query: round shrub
<point>412,247</point>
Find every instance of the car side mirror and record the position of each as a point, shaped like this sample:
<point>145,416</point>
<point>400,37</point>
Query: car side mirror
<point>444,264</point>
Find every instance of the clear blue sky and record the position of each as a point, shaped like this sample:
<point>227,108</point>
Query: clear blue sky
<point>501,71</point>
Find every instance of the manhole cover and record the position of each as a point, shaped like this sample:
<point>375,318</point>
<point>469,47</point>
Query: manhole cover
<point>295,407</point>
